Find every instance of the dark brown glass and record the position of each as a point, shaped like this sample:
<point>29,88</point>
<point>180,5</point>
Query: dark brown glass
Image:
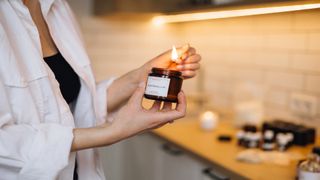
<point>174,86</point>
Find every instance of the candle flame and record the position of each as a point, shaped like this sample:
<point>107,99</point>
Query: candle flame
<point>174,54</point>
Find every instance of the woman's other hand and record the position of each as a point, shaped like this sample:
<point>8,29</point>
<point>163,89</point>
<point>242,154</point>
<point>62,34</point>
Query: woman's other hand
<point>133,118</point>
<point>188,62</point>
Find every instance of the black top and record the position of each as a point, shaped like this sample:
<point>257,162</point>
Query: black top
<point>69,81</point>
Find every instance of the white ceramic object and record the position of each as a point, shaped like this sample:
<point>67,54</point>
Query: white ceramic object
<point>209,120</point>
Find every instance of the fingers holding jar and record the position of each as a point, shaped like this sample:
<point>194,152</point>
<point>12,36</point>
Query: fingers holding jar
<point>189,63</point>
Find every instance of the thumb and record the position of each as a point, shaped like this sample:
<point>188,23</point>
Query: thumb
<point>137,96</point>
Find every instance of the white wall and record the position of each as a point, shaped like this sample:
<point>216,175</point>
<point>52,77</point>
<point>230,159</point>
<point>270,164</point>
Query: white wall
<point>279,52</point>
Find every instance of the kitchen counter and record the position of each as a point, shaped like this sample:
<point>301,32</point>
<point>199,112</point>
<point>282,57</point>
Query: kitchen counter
<point>187,135</point>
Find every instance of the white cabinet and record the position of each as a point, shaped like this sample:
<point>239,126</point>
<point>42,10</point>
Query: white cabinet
<point>176,165</point>
<point>146,157</point>
<point>141,157</point>
<point>149,158</point>
<point>113,161</point>
<point>134,159</point>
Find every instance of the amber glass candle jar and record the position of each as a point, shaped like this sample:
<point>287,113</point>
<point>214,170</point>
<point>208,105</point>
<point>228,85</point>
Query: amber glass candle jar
<point>163,85</point>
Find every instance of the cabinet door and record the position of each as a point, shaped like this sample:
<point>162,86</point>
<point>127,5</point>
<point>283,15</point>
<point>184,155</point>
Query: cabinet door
<point>136,158</point>
<point>113,161</point>
<point>176,165</point>
<point>150,158</point>
<point>141,156</point>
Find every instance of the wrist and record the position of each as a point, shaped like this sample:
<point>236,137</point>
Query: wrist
<point>108,134</point>
<point>117,132</point>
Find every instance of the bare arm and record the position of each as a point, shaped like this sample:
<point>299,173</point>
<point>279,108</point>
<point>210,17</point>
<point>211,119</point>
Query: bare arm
<point>93,137</point>
<point>130,120</point>
<point>125,95</point>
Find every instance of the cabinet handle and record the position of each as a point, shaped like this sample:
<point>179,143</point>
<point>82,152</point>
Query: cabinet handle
<point>209,172</point>
<point>171,150</point>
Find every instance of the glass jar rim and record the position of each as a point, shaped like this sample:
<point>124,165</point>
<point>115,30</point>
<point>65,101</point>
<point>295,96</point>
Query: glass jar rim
<point>166,72</point>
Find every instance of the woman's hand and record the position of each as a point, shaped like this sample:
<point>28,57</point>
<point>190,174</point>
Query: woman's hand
<point>132,118</point>
<point>188,62</point>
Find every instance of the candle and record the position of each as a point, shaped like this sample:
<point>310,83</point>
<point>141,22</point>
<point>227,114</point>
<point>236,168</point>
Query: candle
<point>164,84</point>
<point>209,120</point>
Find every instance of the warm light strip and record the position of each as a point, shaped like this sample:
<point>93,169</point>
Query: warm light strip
<point>158,20</point>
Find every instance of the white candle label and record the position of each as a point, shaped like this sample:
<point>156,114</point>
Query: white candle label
<point>157,86</point>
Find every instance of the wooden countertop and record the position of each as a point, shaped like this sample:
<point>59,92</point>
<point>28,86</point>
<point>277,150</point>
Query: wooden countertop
<point>187,134</point>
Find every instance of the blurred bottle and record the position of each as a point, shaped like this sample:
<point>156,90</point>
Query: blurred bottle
<point>310,168</point>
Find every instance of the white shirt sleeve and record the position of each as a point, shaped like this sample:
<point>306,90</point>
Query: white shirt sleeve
<point>102,100</point>
<point>40,150</point>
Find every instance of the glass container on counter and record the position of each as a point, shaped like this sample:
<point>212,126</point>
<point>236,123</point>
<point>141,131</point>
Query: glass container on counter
<point>310,168</point>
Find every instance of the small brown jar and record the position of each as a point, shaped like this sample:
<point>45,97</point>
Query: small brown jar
<point>163,85</point>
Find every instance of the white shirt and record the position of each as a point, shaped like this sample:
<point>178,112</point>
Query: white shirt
<point>36,124</point>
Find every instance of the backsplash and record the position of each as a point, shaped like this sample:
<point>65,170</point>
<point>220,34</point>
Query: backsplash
<point>278,54</point>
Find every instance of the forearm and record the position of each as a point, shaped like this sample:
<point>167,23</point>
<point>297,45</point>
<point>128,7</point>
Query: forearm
<point>122,88</point>
<point>130,120</point>
<point>85,138</point>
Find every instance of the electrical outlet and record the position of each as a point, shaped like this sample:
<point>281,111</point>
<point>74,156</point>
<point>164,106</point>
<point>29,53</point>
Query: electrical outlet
<point>303,105</point>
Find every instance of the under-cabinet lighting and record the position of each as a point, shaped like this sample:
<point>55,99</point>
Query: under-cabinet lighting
<point>197,16</point>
